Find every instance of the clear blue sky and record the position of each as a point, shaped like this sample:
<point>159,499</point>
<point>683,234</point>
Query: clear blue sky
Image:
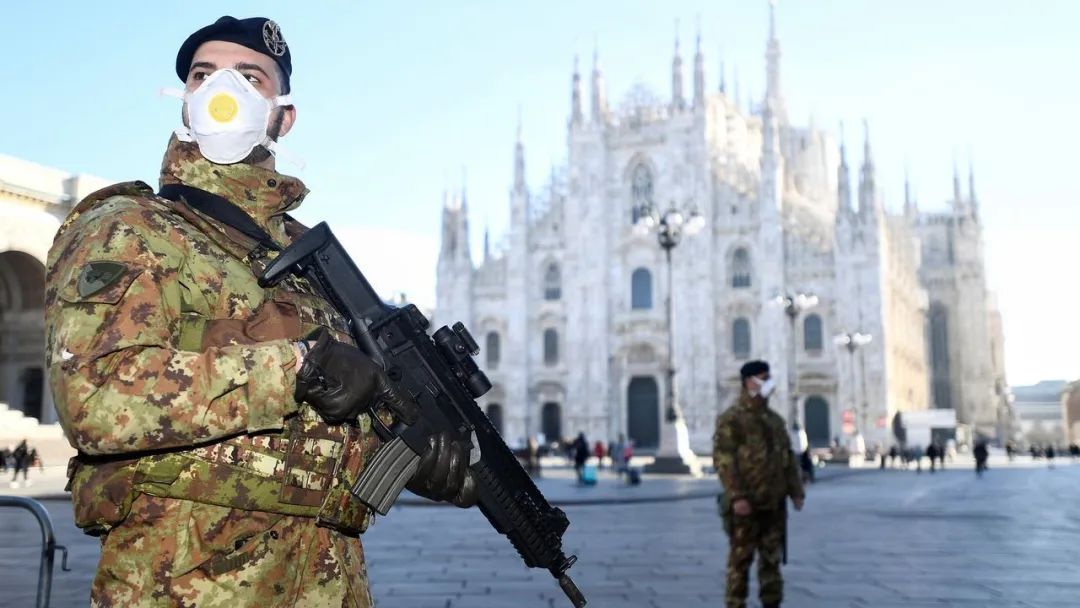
<point>394,99</point>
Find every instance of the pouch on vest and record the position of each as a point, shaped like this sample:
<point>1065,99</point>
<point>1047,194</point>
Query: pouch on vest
<point>101,493</point>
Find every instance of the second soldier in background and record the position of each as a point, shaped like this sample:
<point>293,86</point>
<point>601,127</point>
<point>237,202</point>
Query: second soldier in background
<point>752,454</point>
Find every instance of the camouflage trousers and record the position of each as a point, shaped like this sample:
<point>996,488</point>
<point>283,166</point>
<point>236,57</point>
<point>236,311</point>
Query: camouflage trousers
<point>178,553</point>
<point>763,532</point>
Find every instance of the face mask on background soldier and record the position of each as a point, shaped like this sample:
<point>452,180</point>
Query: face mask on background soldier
<point>765,387</point>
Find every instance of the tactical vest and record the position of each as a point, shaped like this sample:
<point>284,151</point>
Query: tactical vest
<point>305,470</point>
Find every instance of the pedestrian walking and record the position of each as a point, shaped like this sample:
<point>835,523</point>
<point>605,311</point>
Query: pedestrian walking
<point>532,456</point>
<point>599,452</point>
<point>981,454</point>
<point>932,454</point>
<point>1049,451</point>
<point>5,455</point>
<point>941,452</point>
<point>618,462</point>
<point>581,455</point>
<point>1074,451</point>
<point>21,458</point>
<point>35,459</point>
<point>893,452</point>
<point>753,457</point>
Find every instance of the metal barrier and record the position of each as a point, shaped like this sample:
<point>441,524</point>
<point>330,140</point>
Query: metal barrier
<point>48,545</point>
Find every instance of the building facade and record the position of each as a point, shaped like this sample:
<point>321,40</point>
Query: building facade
<point>571,314</point>
<point>33,201</point>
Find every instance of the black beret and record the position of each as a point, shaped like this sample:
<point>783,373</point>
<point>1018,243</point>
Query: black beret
<point>753,368</point>
<point>256,33</point>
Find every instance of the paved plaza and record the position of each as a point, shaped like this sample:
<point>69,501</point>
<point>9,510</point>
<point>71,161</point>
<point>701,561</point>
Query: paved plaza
<point>867,538</point>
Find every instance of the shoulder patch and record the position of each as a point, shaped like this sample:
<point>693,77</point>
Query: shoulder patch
<point>96,276</point>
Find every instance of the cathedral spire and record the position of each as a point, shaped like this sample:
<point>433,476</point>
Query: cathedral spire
<point>576,115</point>
<point>867,186</point>
<point>678,102</point>
<point>957,194</point>
<point>519,159</point>
<point>911,208</point>
<point>463,221</point>
<point>599,97</point>
<point>487,242</point>
<point>723,78</point>
<point>699,73</point>
<point>843,180</point>
<point>772,60</point>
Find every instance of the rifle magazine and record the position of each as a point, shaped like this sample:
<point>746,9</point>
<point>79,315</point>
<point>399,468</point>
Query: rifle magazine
<point>383,479</point>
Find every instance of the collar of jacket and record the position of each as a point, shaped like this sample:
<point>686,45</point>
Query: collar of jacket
<point>745,400</point>
<point>264,194</point>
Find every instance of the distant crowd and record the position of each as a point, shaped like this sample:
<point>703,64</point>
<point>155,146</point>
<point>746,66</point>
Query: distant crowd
<point>19,458</point>
<point>588,458</point>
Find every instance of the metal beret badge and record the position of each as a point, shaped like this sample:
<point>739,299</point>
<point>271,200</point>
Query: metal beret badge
<point>272,38</point>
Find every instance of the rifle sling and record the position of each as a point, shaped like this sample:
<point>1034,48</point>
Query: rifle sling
<point>221,209</point>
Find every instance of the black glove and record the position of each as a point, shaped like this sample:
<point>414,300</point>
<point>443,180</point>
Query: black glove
<point>444,474</point>
<point>341,382</point>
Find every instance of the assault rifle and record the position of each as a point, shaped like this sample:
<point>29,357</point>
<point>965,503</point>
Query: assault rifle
<point>441,375</point>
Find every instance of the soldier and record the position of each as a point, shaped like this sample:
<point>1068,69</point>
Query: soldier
<point>752,454</point>
<point>219,425</point>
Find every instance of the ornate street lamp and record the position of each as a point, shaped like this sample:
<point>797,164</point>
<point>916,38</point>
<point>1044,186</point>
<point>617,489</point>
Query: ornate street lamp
<point>794,305</point>
<point>853,342</point>
<point>674,454</point>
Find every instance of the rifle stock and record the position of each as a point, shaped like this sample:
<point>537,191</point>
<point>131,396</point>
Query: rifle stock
<point>440,374</point>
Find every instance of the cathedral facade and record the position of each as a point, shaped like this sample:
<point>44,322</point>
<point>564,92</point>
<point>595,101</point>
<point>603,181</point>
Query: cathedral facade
<point>571,313</point>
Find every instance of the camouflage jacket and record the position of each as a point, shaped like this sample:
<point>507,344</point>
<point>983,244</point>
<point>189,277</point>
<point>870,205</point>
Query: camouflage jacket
<point>753,457</point>
<point>173,371</point>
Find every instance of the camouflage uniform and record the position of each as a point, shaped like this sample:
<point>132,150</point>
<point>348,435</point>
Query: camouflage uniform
<point>752,454</point>
<point>173,376</point>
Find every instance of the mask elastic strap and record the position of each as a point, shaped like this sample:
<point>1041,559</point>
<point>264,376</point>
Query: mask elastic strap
<point>282,152</point>
<point>171,92</point>
<point>282,100</point>
<point>184,134</point>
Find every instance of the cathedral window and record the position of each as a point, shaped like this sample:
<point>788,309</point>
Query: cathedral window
<point>641,289</point>
<point>491,344</point>
<point>740,338</point>
<point>740,268</point>
<point>641,191</point>
<point>940,383</point>
<point>495,414</point>
<point>551,347</point>
<point>813,340</point>
<point>552,282</point>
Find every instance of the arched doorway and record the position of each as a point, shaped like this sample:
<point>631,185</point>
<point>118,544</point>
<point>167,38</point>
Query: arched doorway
<point>643,412</point>
<point>22,333</point>
<point>551,421</point>
<point>816,415</point>
<point>495,414</point>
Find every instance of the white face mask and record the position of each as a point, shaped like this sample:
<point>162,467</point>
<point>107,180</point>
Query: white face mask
<point>765,387</point>
<point>228,117</point>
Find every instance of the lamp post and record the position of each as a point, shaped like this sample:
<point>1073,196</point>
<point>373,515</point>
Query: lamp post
<point>674,454</point>
<point>794,305</point>
<point>853,342</point>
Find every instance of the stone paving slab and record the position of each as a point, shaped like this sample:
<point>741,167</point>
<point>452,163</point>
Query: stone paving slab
<point>1009,540</point>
